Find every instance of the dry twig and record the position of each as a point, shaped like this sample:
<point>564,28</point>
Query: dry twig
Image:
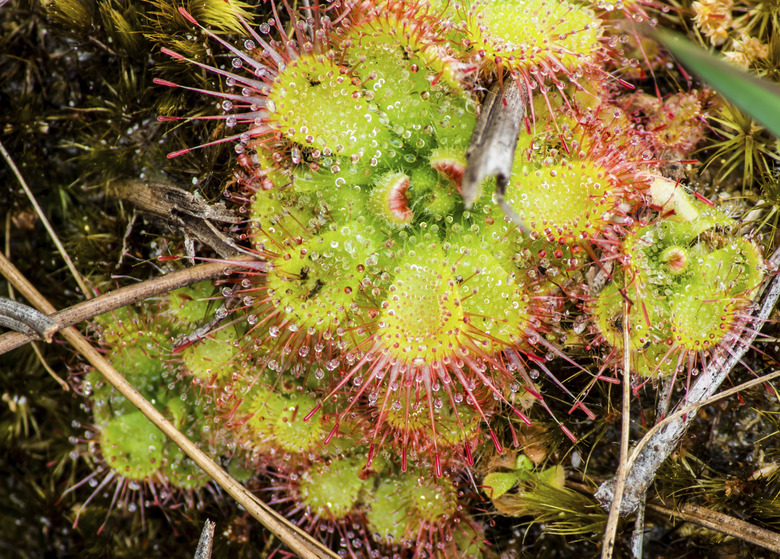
<point>206,542</point>
<point>491,152</point>
<point>21,318</point>
<point>707,518</point>
<point>722,523</point>
<point>610,532</point>
<point>185,211</point>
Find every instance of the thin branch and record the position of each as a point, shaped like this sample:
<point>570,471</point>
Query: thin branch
<point>701,516</point>
<point>48,369</point>
<point>8,244</point>
<point>297,540</point>
<point>610,532</point>
<point>722,523</point>
<point>185,211</point>
<point>46,224</point>
<point>132,294</point>
<point>19,317</point>
<point>638,533</point>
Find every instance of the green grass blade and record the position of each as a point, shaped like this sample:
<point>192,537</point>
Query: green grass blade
<point>756,97</point>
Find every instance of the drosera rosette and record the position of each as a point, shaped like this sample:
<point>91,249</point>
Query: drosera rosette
<point>402,96</point>
<point>209,351</point>
<point>189,306</point>
<point>378,510</point>
<point>408,71</point>
<point>453,327</point>
<point>369,274</point>
<point>309,300</point>
<point>267,417</point>
<point>583,192</point>
<point>675,124</point>
<point>213,357</point>
<point>138,344</point>
<point>624,17</point>
<point>448,426</point>
<point>260,404</point>
<point>414,515</point>
<point>253,69</point>
<point>689,281</point>
<point>542,44</point>
<point>325,496</point>
<point>134,457</point>
<point>561,37</point>
<point>316,105</point>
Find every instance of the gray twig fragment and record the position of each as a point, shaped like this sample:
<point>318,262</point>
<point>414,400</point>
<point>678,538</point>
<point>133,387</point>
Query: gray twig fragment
<point>184,210</point>
<point>638,533</point>
<point>27,320</point>
<point>206,541</point>
<point>491,152</point>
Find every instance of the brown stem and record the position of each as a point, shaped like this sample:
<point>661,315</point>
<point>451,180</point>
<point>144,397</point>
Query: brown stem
<point>702,516</point>
<point>610,532</point>
<point>722,523</point>
<point>48,369</point>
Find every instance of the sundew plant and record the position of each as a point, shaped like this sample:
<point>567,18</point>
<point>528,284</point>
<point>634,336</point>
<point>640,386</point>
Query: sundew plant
<point>391,325</point>
<point>387,351</point>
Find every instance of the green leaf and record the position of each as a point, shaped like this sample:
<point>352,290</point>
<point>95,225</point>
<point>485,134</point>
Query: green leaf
<point>554,477</point>
<point>758,98</point>
<point>499,483</point>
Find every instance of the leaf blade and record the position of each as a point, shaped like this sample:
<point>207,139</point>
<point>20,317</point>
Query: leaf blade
<point>756,97</point>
